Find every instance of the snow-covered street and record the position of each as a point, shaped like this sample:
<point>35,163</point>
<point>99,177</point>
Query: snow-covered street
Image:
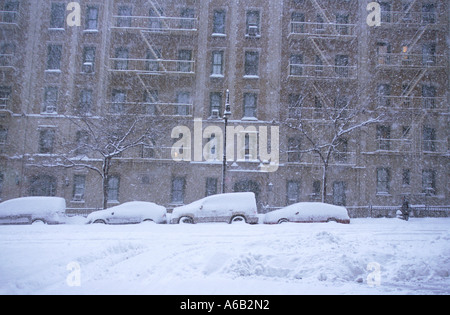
<point>369,256</point>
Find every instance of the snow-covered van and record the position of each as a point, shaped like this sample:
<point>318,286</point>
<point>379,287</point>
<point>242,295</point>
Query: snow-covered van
<point>29,210</point>
<point>229,208</point>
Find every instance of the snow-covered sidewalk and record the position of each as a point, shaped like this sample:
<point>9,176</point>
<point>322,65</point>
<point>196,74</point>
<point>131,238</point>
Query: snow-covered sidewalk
<point>369,256</point>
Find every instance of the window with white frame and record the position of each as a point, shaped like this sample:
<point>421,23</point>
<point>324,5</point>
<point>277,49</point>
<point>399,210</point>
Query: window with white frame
<point>113,188</point>
<point>50,105</point>
<point>54,57</point>
<point>383,180</point>
<point>92,18</point>
<point>250,104</point>
<point>57,15</point>
<point>217,63</point>
<point>79,187</point>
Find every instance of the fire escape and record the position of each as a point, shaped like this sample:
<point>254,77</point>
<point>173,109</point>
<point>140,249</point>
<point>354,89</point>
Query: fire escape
<point>154,32</point>
<point>328,40</point>
<point>418,62</point>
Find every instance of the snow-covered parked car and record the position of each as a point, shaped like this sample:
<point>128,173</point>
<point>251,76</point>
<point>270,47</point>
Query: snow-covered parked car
<point>229,208</point>
<point>130,213</point>
<point>30,210</point>
<point>305,212</point>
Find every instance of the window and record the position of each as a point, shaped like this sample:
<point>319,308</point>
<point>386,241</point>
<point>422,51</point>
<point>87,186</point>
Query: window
<point>253,24</point>
<point>82,142</point>
<point>121,59</point>
<point>341,102</point>
<point>5,94</point>
<point>341,65</point>
<point>10,11</point>
<point>297,23</point>
<point>79,187</point>
<point>405,55</point>
<point>250,101</point>
<point>124,19</point>
<point>429,182</point>
<point>185,60</point>
<point>183,103</point>
<point>317,189</point>
<point>429,54</point>
<point>219,22</point>
<point>85,105</point>
<point>384,138</point>
<point>88,60</point>
<point>319,64</point>
<point>7,51</point>
<point>113,188</point>
<point>383,181</point>
<point>187,19</point>
<point>294,154</point>
<point>296,65</point>
<point>57,17</point>
<point>428,13</point>
<point>247,152</point>
<point>320,23</point>
<point>406,177</point>
<point>428,96</point>
<point>54,57</point>
<point>155,24</point>
<point>46,141</point>
<point>385,12</point>
<point>211,186</point>
<point>43,186</point>
<point>341,24</point>
<point>383,51</point>
<point>429,139</point>
<point>216,104</point>
<point>341,152</point>
<point>406,7</point>
<point>217,63</point>
<point>152,63</point>
<point>119,99</point>
<point>251,63</point>
<point>211,149</point>
<point>92,18</point>
<point>293,192</point>
<point>317,103</point>
<point>148,150</point>
<point>151,98</point>
<point>339,195</point>
<point>384,93</point>
<point>295,105</point>
<point>3,135</point>
<point>50,100</point>
<point>178,186</point>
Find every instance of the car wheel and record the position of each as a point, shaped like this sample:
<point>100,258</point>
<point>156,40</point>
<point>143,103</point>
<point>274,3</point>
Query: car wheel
<point>147,221</point>
<point>38,222</point>
<point>281,221</point>
<point>332,220</point>
<point>99,222</point>
<point>238,219</point>
<point>186,220</point>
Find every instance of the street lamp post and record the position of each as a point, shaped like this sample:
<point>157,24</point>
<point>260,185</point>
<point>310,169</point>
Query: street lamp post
<point>226,115</point>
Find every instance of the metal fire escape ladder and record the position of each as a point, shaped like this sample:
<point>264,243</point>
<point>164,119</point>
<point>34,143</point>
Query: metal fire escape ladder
<point>324,14</point>
<point>157,8</point>
<point>316,47</point>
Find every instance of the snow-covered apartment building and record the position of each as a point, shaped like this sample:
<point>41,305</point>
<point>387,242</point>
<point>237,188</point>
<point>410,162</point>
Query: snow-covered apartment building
<point>92,88</point>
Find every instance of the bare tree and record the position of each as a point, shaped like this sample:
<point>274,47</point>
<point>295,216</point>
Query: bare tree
<point>101,140</point>
<point>327,136</point>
